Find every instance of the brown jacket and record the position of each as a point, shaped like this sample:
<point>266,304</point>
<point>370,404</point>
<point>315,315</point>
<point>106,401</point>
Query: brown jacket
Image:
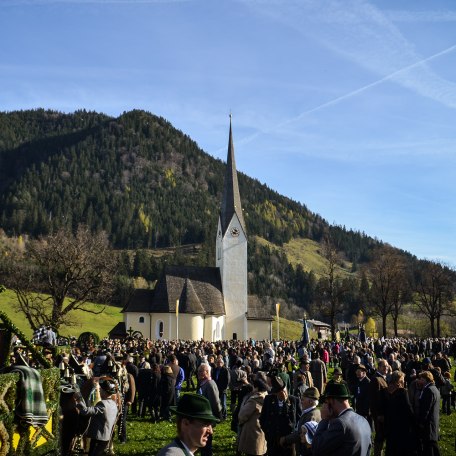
<point>377,389</point>
<point>251,438</point>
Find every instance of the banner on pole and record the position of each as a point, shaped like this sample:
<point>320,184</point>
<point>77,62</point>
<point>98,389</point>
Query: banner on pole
<point>177,308</point>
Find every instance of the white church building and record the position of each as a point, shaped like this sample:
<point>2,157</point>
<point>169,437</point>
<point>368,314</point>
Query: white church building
<point>212,302</point>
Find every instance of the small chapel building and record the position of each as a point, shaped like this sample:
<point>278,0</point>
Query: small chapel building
<point>210,303</point>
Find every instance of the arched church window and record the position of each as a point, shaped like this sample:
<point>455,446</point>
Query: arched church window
<point>159,329</point>
<point>141,319</point>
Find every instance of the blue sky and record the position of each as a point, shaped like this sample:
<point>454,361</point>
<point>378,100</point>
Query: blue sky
<point>347,106</point>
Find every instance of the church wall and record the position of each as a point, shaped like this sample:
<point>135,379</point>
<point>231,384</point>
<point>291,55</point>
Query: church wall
<point>191,326</point>
<point>259,329</point>
<point>132,320</point>
<point>214,327</point>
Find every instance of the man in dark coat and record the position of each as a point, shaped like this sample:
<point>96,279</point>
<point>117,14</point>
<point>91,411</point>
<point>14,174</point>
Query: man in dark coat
<point>191,370</point>
<point>133,370</point>
<point>428,414</point>
<point>278,417</point>
<point>221,376</point>
<point>362,393</point>
<point>310,412</point>
<point>341,431</point>
<point>377,388</point>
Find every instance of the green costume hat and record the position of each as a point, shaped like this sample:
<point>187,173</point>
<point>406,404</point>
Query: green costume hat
<point>194,406</point>
<point>337,391</point>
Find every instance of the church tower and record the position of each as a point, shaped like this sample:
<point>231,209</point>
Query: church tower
<point>231,252</point>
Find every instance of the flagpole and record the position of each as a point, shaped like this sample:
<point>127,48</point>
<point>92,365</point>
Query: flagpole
<point>278,320</point>
<point>177,319</point>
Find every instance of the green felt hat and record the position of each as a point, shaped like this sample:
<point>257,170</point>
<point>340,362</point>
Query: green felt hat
<point>336,390</point>
<point>196,407</point>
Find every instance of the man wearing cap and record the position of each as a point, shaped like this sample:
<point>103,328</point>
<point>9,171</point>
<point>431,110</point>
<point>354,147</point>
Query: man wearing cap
<point>104,416</point>
<point>279,416</point>
<point>303,374</point>
<point>310,413</point>
<point>362,393</point>
<point>341,431</point>
<point>194,426</point>
<point>337,376</point>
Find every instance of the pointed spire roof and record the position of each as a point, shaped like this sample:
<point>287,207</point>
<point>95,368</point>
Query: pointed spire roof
<point>189,301</point>
<point>231,199</point>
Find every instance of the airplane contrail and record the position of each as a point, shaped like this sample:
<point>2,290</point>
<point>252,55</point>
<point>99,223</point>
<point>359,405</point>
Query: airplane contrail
<point>334,101</point>
<point>366,87</point>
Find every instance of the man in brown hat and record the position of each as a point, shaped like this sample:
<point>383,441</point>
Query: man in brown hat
<point>341,432</point>
<point>309,402</point>
<point>194,426</point>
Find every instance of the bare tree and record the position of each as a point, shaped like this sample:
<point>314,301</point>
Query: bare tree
<point>330,289</point>
<point>435,291</point>
<point>388,280</point>
<point>57,275</point>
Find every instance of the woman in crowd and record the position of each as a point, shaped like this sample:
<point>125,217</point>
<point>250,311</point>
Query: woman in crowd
<point>167,391</point>
<point>155,392</point>
<point>251,437</point>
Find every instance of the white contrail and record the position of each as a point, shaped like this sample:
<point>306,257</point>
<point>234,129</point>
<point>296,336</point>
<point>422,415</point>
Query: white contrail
<point>346,96</point>
<point>366,87</point>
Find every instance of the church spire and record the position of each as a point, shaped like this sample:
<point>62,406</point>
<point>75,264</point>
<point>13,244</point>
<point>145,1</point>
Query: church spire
<point>231,199</point>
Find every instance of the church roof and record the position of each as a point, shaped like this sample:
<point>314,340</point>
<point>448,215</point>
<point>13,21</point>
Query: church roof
<point>189,301</point>
<point>256,310</point>
<point>139,301</point>
<point>231,199</point>
<point>119,331</point>
<point>198,289</point>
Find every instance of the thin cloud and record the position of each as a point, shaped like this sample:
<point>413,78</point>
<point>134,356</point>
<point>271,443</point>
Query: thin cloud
<point>421,16</point>
<point>364,35</point>
<point>353,93</point>
<point>87,2</point>
<point>392,76</point>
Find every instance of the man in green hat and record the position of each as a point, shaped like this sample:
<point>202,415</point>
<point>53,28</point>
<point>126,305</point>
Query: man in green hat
<point>341,431</point>
<point>194,426</point>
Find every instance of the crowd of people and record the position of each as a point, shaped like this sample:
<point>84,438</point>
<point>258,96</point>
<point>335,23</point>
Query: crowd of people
<point>279,396</point>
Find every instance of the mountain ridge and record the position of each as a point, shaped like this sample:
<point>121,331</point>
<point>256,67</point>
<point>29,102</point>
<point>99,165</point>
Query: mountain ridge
<point>149,186</point>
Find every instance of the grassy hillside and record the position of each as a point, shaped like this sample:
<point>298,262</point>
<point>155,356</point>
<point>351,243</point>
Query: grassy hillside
<point>308,253</point>
<point>99,324</point>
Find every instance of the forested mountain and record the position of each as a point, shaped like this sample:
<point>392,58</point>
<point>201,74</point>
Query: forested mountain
<point>148,185</point>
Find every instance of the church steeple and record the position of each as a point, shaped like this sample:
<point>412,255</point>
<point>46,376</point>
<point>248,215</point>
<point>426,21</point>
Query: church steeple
<point>231,199</point>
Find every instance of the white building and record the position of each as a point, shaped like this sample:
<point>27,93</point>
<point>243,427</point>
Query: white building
<point>213,301</point>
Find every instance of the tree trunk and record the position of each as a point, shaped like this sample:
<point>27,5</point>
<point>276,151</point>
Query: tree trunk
<point>432,321</point>
<point>384,325</point>
<point>395,324</point>
<point>438,327</point>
